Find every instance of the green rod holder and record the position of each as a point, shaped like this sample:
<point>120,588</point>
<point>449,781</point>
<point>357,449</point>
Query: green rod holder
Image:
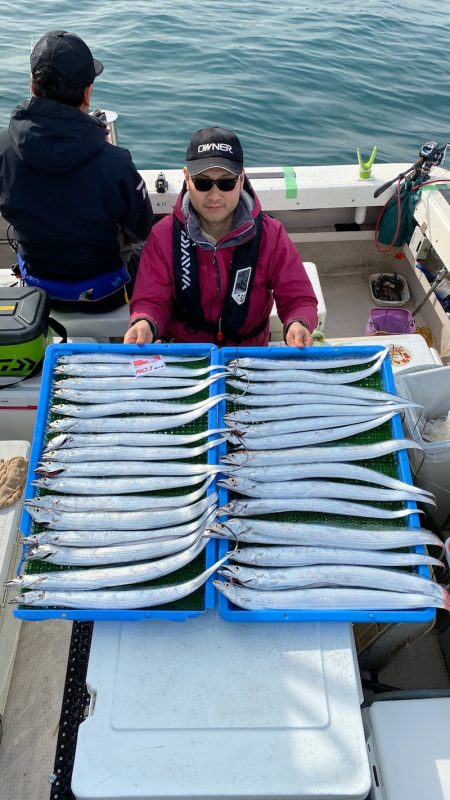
<point>365,167</point>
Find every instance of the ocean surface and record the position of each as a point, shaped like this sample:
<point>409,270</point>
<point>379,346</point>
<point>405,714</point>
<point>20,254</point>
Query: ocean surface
<point>300,82</point>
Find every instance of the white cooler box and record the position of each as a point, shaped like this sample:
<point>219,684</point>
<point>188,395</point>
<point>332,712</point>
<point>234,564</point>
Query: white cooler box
<point>210,709</point>
<point>276,326</point>
<point>408,742</point>
<point>9,556</point>
<point>405,351</point>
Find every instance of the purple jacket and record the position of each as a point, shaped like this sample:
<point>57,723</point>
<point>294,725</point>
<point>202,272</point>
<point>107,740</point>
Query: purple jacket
<point>280,275</point>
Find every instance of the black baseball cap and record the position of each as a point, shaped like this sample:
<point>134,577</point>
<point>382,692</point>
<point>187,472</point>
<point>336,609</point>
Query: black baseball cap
<point>68,56</point>
<point>214,147</point>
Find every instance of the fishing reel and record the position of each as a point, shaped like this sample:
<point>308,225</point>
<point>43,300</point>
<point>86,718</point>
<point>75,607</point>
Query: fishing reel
<point>430,151</point>
<point>430,155</point>
<point>161,184</point>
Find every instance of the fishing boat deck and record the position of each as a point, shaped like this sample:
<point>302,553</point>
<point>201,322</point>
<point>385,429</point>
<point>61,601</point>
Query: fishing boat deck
<point>321,222</point>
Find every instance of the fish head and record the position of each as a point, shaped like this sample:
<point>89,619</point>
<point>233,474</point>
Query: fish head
<point>50,455</point>
<point>39,552</point>
<point>29,598</point>
<point>230,572</point>
<point>222,586</point>
<point>16,582</point>
<point>56,442</point>
<point>44,483</point>
<point>227,483</point>
<point>29,541</point>
<point>40,515</point>
<point>62,424</point>
<point>49,468</point>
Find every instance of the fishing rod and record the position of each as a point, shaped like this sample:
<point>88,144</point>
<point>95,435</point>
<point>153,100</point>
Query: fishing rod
<point>430,155</point>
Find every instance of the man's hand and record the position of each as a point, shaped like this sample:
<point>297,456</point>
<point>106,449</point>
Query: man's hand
<point>298,336</point>
<point>139,333</point>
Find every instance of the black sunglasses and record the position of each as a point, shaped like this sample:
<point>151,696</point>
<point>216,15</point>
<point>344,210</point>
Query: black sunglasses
<point>223,184</point>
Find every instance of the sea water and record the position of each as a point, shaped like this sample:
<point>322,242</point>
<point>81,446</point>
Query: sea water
<point>300,82</point>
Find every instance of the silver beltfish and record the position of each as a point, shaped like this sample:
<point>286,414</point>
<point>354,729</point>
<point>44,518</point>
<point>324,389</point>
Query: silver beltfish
<point>303,425</point>
<point>80,455</point>
<point>282,439</point>
<point>297,377</point>
<point>129,468</point>
<point>249,508</point>
<point>125,438</point>
<point>118,358</point>
<point>127,407</point>
<point>98,578</point>
<point>303,555</point>
<point>318,409</point>
<point>85,384</point>
<point>110,554</point>
<point>126,520</point>
<point>260,531</point>
<point>287,387</point>
<point>305,363</point>
<point>133,424</point>
<point>310,398</point>
<point>111,486</point>
<point>318,488</point>
<point>338,599</point>
<point>117,599</point>
<point>102,538</point>
<point>273,578</point>
<point>300,455</point>
<point>126,370</point>
<point>146,393</point>
<point>344,470</point>
<point>128,502</point>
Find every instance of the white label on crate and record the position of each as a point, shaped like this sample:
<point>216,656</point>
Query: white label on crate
<point>144,366</point>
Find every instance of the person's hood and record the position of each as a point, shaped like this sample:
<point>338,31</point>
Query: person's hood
<point>52,137</point>
<point>243,226</point>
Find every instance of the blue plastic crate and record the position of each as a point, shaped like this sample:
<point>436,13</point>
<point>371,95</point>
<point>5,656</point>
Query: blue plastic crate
<point>235,614</point>
<point>52,354</point>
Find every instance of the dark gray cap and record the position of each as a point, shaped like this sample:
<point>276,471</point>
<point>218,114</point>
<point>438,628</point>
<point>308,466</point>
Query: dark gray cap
<point>68,56</point>
<point>214,147</point>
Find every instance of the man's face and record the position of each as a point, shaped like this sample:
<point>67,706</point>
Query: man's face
<point>214,205</point>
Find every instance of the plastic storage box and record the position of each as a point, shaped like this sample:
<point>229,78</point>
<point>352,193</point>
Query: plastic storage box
<point>430,388</point>
<point>403,291</point>
<point>193,604</point>
<point>382,380</point>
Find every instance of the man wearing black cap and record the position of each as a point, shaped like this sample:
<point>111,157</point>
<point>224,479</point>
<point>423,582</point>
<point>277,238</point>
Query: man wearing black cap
<point>210,271</point>
<point>76,202</point>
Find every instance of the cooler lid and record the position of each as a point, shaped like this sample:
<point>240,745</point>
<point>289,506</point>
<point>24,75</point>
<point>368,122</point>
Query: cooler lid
<point>23,314</point>
<point>206,708</point>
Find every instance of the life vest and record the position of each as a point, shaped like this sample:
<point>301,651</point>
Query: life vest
<point>187,306</point>
<point>88,289</point>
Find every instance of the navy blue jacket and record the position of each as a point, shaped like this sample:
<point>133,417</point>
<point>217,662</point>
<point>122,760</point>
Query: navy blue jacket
<point>68,193</point>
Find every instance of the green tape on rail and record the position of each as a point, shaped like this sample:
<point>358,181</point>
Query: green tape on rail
<point>290,182</point>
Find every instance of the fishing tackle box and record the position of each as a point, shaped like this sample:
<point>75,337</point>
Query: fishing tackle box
<point>193,604</point>
<point>382,380</point>
<point>24,319</point>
